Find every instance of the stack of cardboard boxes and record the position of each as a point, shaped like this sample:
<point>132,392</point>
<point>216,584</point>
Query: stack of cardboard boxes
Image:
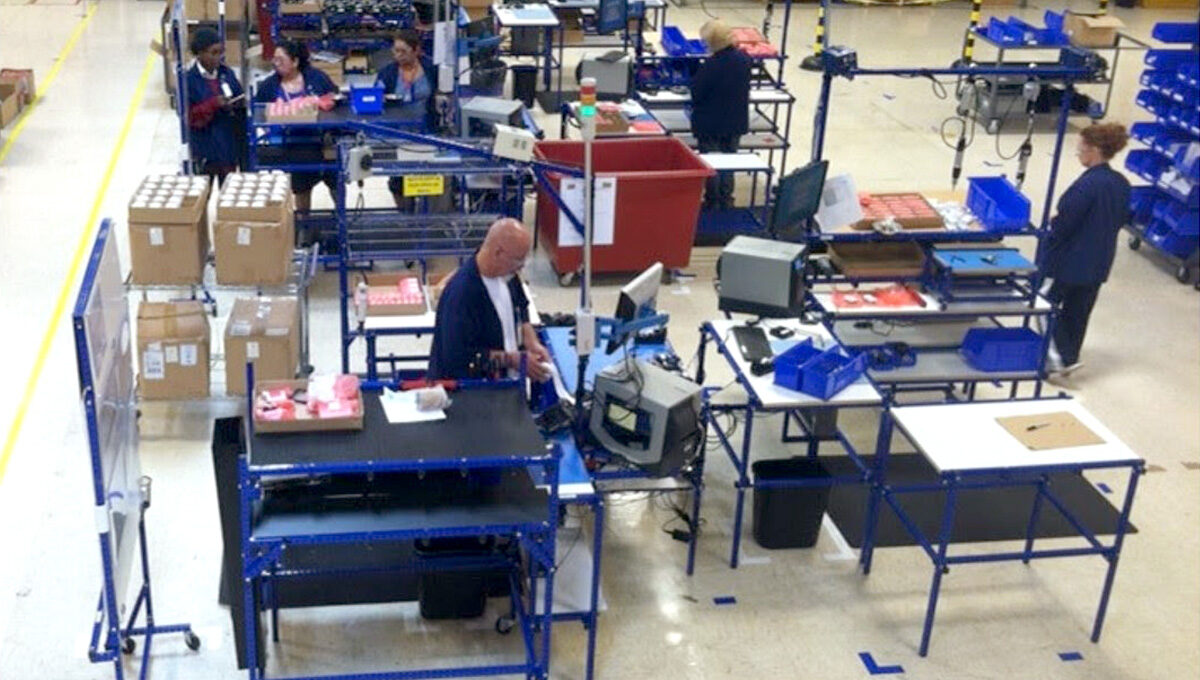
<point>17,91</point>
<point>265,332</point>
<point>254,232</point>
<point>173,350</point>
<point>168,230</point>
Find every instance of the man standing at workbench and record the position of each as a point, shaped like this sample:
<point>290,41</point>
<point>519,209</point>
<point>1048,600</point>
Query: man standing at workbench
<point>483,314</point>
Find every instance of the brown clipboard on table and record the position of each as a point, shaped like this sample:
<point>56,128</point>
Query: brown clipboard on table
<point>1045,431</point>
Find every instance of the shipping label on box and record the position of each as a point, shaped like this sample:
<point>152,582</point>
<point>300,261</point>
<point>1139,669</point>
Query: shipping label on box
<point>266,332</point>
<point>173,350</point>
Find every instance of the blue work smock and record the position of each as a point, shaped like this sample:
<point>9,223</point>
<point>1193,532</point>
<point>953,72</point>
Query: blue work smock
<point>1083,235</point>
<point>721,95</point>
<point>468,324</point>
<point>213,130</point>
<point>416,100</point>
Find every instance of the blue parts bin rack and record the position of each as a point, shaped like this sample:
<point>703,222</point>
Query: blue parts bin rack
<point>675,44</point>
<point>999,205</point>
<point>121,495</point>
<point>1002,349</point>
<point>816,372</point>
<point>1166,212</point>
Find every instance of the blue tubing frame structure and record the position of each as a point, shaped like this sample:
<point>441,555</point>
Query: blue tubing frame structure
<point>951,482</point>
<point>740,456</point>
<point>261,555</point>
<point>110,638</point>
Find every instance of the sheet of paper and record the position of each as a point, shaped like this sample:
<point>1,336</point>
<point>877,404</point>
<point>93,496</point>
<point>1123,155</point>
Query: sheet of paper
<point>401,407</point>
<point>1048,431</point>
<point>604,211</point>
<point>443,37</point>
<point>839,203</point>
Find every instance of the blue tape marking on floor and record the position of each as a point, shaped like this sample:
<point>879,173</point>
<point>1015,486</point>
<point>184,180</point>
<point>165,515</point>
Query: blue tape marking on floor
<point>875,669</point>
<point>1104,487</point>
<point>1070,656</point>
<point>725,599</point>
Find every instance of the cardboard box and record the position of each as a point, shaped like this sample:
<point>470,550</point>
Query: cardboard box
<point>266,332</point>
<point>173,350</point>
<point>234,10</point>
<point>233,53</point>
<point>152,202</point>
<point>168,254</point>
<point>253,253</point>
<point>23,79</point>
<point>863,260</point>
<point>255,197</point>
<point>304,421</point>
<point>195,10</point>
<point>437,284</point>
<point>391,284</point>
<point>300,7</point>
<point>336,70</point>
<point>1092,30</point>
<point>10,103</point>
<point>928,219</point>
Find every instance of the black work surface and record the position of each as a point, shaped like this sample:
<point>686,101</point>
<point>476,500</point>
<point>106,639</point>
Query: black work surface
<point>509,499</point>
<point>479,424</point>
<point>980,514</point>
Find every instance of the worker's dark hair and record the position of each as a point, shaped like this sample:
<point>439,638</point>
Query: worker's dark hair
<point>1109,138</point>
<point>410,37</point>
<point>296,50</point>
<point>203,39</point>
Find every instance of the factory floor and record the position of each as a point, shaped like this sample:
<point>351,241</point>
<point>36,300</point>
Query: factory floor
<point>103,121</point>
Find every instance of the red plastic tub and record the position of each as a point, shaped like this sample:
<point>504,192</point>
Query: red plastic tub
<point>660,183</point>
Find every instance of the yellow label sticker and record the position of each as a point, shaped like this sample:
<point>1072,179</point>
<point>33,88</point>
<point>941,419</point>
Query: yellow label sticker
<point>424,185</point>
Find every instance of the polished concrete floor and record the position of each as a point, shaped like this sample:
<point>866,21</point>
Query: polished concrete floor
<point>799,614</point>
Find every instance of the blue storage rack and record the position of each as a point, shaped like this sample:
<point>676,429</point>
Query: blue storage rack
<point>1166,212</point>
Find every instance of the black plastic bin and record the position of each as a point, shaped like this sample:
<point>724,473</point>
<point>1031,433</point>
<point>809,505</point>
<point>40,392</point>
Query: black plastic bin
<point>524,83</point>
<point>487,78</point>
<point>789,517</point>
<point>452,594</point>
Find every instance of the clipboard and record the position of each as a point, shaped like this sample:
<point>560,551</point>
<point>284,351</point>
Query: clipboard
<point>1046,431</point>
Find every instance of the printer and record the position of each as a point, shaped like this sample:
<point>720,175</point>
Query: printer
<point>762,277</point>
<point>648,416</point>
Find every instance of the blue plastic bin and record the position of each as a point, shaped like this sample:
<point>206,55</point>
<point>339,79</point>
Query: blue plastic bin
<point>1153,102</point>
<point>831,372</point>
<point>1002,349</point>
<point>787,365</point>
<point>1169,59</point>
<point>1141,203</point>
<point>1145,131</point>
<point>1172,242</point>
<point>1146,164</point>
<point>1181,220</point>
<point>1177,32</point>
<point>366,101</point>
<point>1003,33</point>
<point>1186,160</point>
<point>675,44</point>
<point>998,204</point>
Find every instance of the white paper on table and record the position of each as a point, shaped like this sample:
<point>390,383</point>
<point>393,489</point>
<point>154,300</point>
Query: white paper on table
<point>401,407</point>
<point>464,70</point>
<point>444,35</point>
<point>604,211</point>
<point>839,203</point>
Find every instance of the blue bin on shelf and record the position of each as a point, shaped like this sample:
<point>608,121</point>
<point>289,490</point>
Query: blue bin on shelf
<point>1169,59</point>
<point>1003,33</point>
<point>1153,102</point>
<point>1177,32</point>
<point>787,365</point>
<point>1187,160</point>
<point>675,44</point>
<point>1002,349</point>
<point>1147,164</point>
<point>997,204</point>
<point>1179,244</point>
<point>1141,203</point>
<point>1145,131</point>
<point>366,101</point>
<point>1180,220</point>
<point>831,372</point>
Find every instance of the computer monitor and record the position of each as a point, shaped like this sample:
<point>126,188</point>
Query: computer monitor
<point>636,299</point>
<point>611,16</point>
<point>797,200</point>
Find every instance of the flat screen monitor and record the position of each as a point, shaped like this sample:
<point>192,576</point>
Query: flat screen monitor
<point>637,296</point>
<point>798,199</point>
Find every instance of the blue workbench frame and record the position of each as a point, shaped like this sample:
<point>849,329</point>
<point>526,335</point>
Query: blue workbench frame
<point>951,482</point>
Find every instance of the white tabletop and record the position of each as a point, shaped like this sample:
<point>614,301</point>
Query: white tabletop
<point>425,322</point>
<point>757,96</point>
<point>527,15</point>
<point>770,395</point>
<point>736,161</point>
<point>965,437</point>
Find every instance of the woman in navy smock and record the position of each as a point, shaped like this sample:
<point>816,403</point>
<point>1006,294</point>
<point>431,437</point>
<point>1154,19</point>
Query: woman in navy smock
<point>412,80</point>
<point>294,78</point>
<point>212,94</point>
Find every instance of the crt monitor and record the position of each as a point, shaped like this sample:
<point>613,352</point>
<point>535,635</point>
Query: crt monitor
<point>637,296</point>
<point>798,199</point>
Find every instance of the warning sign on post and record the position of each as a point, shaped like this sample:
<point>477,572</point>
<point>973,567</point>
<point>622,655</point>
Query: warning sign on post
<point>424,185</point>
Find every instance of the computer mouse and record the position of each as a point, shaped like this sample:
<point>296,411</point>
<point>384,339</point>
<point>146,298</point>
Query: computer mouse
<point>782,332</point>
<point>762,366</point>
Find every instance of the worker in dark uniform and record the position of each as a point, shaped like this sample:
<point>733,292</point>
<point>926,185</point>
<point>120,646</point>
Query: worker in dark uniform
<point>213,96</point>
<point>412,79</point>
<point>293,78</point>
<point>1079,252</point>
<point>483,314</point>
<point>720,106</point>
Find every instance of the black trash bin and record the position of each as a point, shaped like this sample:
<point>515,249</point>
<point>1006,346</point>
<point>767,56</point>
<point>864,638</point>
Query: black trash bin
<point>452,594</point>
<point>789,517</point>
<point>524,84</point>
<point>487,78</point>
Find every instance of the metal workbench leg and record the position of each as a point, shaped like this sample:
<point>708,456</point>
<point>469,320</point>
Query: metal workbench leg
<point>594,601</point>
<point>700,356</point>
<point>883,443</point>
<point>1114,553</point>
<point>1033,517</point>
<point>939,562</point>
<point>742,482</point>
<point>369,340</point>
<point>697,479</point>
<point>548,38</point>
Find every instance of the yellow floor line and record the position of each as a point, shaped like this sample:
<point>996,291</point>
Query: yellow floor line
<point>81,249</point>
<point>47,81</point>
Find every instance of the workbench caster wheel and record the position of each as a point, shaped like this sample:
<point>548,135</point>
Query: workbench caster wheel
<point>505,624</point>
<point>191,640</point>
<point>1183,274</point>
<point>1134,243</point>
<point>566,279</point>
<point>128,646</point>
